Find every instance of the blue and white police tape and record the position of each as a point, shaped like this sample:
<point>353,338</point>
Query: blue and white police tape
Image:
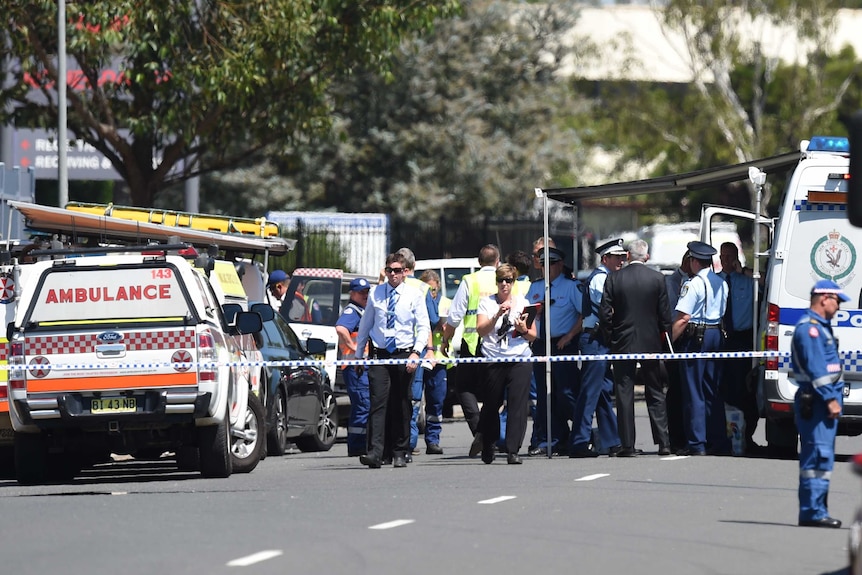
<point>185,366</point>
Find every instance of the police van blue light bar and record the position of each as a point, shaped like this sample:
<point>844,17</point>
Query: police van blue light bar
<point>829,144</point>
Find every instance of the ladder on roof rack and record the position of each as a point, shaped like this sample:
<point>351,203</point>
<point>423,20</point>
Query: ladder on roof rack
<point>257,227</point>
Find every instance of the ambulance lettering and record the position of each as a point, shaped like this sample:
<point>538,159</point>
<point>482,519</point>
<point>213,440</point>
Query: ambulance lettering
<point>106,294</point>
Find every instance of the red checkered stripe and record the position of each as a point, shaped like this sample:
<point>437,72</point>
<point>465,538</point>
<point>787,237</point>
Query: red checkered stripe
<point>134,341</point>
<point>4,351</point>
<point>318,272</point>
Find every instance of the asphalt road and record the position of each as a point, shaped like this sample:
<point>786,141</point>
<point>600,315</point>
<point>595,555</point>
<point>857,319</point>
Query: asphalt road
<point>326,513</point>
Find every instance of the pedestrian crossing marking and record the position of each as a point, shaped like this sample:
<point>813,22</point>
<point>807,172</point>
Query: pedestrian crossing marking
<point>392,524</point>
<point>496,500</point>
<point>592,477</point>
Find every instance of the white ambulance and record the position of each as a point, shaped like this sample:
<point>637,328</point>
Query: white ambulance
<point>118,353</point>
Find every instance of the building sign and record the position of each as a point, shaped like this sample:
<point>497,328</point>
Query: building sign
<point>39,149</point>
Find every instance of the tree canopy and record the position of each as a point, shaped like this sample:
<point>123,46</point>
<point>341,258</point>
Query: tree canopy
<point>200,85</point>
<point>742,103</point>
<point>473,116</point>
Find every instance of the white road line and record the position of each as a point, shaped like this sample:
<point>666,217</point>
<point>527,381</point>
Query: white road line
<point>254,558</point>
<point>673,457</point>
<point>392,524</point>
<point>592,477</point>
<point>496,500</point>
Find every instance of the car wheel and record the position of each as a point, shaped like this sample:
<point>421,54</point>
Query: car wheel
<point>326,429</point>
<point>276,437</point>
<point>247,445</point>
<point>214,448</point>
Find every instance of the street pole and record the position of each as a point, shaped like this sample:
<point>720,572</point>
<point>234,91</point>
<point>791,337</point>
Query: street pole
<point>62,137</point>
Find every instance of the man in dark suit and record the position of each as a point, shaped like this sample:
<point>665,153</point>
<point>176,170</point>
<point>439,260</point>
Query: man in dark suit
<point>635,318</point>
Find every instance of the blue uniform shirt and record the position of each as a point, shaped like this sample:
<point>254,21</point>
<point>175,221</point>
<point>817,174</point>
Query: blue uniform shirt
<point>742,295</point>
<point>597,288</point>
<point>703,297</point>
<point>814,356</point>
<point>565,304</point>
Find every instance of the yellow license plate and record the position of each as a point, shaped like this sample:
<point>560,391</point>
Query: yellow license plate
<point>113,405</point>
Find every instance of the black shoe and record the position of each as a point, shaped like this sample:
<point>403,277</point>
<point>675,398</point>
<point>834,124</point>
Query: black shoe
<point>513,459</point>
<point>582,453</point>
<point>488,455</point>
<point>691,452</point>
<point>387,460</point>
<point>476,446</point>
<point>370,461</point>
<point>664,451</point>
<point>408,458</point>
<point>822,522</point>
<point>612,452</point>
<point>399,461</point>
<point>433,449</point>
<point>537,451</point>
<point>626,452</point>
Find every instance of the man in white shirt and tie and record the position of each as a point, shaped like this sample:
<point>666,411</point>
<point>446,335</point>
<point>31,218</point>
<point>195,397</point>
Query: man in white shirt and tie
<point>396,323</point>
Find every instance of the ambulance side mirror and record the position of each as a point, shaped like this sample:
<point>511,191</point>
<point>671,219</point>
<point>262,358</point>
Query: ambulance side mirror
<point>854,190</point>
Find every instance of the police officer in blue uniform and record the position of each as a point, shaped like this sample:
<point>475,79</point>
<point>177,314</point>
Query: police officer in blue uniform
<point>597,383</point>
<point>565,324</point>
<point>818,401</point>
<point>697,327</point>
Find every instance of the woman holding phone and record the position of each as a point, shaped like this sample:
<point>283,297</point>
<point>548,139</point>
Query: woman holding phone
<point>506,331</point>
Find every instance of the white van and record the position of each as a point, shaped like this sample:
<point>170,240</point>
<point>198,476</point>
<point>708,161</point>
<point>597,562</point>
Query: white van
<point>812,240</point>
<point>450,270</point>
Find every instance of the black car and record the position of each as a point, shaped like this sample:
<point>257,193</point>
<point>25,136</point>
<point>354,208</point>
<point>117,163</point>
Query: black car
<point>300,406</point>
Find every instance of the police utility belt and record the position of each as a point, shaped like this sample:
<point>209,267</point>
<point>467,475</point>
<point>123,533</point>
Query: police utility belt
<point>697,330</point>
<point>382,353</point>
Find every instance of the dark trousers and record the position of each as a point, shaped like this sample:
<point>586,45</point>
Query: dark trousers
<point>651,377</point>
<point>735,381</point>
<point>391,408</point>
<point>675,418</point>
<point>510,381</point>
<point>565,383</point>
<point>468,381</point>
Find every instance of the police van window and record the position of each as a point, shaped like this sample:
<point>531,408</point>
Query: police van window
<point>823,247</point>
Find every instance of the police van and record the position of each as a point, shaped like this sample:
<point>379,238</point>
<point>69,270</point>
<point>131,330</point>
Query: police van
<point>811,239</point>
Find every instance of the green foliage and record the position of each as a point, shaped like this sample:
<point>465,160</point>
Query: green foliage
<point>205,84</point>
<point>470,119</point>
<point>313,250</point>
<point>741,104</point>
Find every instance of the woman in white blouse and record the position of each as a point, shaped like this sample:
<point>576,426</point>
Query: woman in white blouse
<point>502,325</point>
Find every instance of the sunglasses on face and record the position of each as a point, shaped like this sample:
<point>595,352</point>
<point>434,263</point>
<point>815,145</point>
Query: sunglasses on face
<point>506,280</point>
<point>390,270</point>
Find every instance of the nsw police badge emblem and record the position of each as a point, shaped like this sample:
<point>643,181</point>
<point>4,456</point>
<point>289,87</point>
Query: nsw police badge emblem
<point>833,257</point>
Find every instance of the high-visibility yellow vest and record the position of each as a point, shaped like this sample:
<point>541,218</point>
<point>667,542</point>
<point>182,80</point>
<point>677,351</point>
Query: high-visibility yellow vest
<point>521,287</point>
<point>417,283</point>
<point>437,335</point>
<point>481,283</point>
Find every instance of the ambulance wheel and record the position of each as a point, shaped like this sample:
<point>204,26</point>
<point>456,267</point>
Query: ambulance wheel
<point>326,428</point>
<point>276,437</point>
<point>31,458</point>
<point>246,449</point>
<point>214,448</point>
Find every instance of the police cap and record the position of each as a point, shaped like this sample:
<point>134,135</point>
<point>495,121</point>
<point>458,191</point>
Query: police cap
<point>829,287</point>
<point>612,248</point>
<point>359,284</point>
<point>554,255</point>
<point>701,250</point>
<point>276,276</point>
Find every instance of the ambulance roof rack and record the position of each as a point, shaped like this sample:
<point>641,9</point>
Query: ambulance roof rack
<point>252,227</point>
<point>99,250</point>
